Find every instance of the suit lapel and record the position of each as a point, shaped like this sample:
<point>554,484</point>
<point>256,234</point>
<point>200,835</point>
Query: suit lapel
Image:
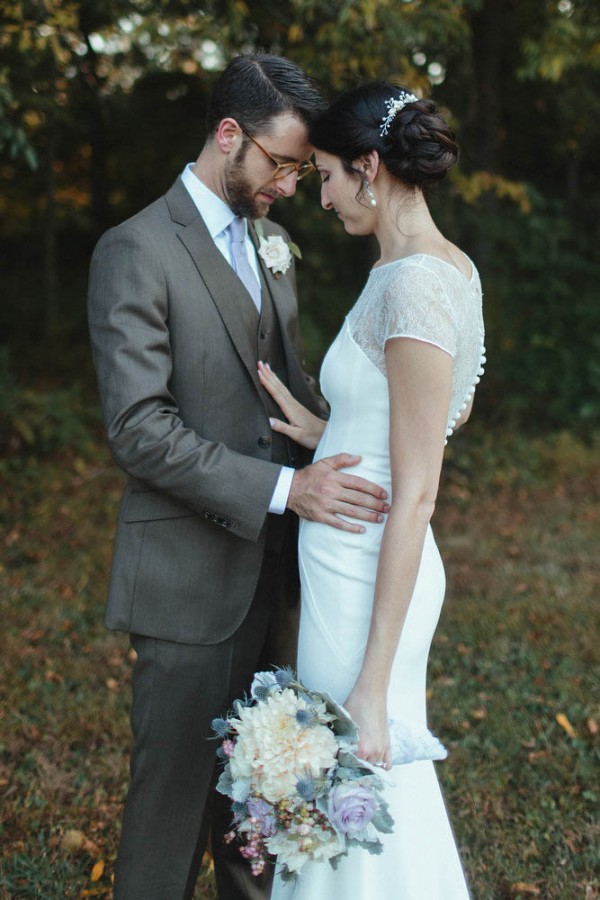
<point>231,298</point>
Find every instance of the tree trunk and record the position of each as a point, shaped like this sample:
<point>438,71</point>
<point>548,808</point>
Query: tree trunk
<point>50,233</point>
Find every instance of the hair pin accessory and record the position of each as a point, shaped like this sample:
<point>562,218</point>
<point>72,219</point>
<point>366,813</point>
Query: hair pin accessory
<point>394,105</point>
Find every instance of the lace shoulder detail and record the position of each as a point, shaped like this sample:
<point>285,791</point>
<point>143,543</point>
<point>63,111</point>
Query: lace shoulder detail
<point>428,299</point>
<point>403,300</point>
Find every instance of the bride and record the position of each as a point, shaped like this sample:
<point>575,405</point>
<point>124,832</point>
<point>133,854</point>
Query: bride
<point>399,378</point>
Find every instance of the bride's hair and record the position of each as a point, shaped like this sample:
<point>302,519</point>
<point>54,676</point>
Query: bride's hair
<point>417,146</point>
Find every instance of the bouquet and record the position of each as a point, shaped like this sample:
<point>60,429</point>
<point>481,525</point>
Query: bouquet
<point>299,791</point>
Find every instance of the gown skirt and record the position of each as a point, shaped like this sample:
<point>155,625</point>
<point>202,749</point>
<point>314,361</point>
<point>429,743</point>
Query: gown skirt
<point>338,569</point>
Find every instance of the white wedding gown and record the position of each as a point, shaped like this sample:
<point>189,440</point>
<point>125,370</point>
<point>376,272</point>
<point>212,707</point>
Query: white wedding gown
<point>428,299</point>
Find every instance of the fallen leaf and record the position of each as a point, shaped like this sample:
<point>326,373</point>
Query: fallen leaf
<point>538,754</point>
<point>91,847</point>
<point>97,870</point>
<point>33,635</point>
<point>523,887</point>
<point>571,842</point>
<point>112,684</point>
<point>592,726</point>
<point>564,723</point>
<point>73,840</point>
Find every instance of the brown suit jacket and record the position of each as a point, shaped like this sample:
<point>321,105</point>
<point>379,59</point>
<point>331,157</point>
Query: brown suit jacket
<point>174,345</point>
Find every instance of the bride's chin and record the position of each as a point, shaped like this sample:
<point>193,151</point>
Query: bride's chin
<point>357,228</point>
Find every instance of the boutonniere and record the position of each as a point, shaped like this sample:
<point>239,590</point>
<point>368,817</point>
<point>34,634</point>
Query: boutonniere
<point>276,252</point>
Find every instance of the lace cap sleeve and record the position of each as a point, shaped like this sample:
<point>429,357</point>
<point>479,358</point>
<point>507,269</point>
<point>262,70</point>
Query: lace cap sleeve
<point>416,305</point>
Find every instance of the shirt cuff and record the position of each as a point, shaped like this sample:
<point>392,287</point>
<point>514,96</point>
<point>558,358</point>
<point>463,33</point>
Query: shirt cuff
<point>281,493</point>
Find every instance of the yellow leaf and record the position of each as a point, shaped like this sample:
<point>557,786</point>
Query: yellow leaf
<point>522,887</point>
<point>97,871</point>
<point>564,723</point>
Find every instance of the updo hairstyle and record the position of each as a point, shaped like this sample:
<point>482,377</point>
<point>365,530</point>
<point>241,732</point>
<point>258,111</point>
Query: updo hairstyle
<point>419,147</point>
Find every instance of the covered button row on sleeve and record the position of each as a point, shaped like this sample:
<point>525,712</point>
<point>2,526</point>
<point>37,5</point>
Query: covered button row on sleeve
<point>219,520</point>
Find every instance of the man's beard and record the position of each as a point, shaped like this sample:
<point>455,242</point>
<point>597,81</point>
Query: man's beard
<point>241,198</point>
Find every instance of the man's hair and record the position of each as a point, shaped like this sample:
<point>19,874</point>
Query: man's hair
<point>255,88</point>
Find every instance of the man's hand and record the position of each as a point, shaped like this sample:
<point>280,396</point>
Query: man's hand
<point>321,493</point>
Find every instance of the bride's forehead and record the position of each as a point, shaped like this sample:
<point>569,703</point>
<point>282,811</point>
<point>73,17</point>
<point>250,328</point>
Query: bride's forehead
<point>326,160</point>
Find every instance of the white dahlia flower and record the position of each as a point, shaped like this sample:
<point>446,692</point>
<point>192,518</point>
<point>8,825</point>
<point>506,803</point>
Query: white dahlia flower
<point>274,749</point>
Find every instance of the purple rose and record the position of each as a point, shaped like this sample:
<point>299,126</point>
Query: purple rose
<point>263,813</point>
<point>351,806</point>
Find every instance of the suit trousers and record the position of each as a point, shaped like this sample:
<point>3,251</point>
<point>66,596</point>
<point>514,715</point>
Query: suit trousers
<point>177,690</point>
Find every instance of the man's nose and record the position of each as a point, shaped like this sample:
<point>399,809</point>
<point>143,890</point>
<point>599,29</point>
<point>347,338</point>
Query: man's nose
<point>287,185</point>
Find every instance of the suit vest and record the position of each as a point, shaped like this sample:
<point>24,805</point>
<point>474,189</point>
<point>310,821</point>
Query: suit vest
<point>269,349</point>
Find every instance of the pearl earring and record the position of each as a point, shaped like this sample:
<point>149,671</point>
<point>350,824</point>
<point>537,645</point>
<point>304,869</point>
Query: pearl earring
<point>369,192</point>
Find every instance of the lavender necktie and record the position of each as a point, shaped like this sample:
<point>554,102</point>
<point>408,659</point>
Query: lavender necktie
<point>241,264</point>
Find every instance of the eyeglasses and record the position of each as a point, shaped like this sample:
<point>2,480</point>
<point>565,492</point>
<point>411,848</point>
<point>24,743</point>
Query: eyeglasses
<point>282,170</point>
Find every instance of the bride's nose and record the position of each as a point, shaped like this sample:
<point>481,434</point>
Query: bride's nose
<point>325,201</point>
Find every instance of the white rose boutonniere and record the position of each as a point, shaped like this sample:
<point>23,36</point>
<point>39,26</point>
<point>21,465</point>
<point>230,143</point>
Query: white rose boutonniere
<point>276,252</point>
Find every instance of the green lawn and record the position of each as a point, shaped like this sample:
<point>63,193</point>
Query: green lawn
<point>514,686</point>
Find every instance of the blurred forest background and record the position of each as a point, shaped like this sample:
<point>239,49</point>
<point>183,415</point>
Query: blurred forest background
<point>101,104</point>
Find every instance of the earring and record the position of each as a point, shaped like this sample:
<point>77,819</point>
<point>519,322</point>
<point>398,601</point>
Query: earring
<point>369,192</point>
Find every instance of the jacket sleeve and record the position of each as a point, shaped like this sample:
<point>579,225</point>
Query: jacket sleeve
<point>128,309</point>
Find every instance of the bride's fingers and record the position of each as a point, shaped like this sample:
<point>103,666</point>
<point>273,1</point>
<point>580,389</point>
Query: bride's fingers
<point>283,427</point>
<point>274,386</point>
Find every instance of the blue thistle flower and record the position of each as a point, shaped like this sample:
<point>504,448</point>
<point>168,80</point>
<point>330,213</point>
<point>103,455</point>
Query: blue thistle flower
<point>305,718</point>
<point>221,727</point>
<point>261,692</point>
<point>306,788</point>
<point>285,677</point>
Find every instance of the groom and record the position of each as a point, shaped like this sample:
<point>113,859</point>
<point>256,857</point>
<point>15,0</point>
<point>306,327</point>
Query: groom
<point>181,308</point>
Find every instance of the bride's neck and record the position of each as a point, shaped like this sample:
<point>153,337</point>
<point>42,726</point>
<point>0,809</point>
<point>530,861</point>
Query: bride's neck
<point>404,224</point>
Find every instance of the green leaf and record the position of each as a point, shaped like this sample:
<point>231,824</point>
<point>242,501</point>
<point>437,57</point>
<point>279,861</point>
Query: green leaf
<point>295,249</point>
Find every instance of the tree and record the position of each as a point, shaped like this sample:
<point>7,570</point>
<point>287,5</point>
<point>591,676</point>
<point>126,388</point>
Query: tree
<point>109,95</point>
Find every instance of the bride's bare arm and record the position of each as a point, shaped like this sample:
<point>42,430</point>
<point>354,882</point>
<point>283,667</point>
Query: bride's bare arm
<point>301,426</point>
<point>420,379</point>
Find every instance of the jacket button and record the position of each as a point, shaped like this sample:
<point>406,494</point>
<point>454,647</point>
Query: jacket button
<point>263,335</point>
<point>264,443</point>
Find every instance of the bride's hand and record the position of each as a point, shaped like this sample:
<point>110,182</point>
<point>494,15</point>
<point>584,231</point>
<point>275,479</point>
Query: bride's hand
<point>370,714</point>
<point>302,426</point>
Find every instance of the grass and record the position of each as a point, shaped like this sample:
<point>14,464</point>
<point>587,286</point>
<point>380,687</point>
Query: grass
<point>513,672</point>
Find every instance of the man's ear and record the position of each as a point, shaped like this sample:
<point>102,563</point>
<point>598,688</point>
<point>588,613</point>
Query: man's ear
<point>368,164</point>
<point>228,135</point>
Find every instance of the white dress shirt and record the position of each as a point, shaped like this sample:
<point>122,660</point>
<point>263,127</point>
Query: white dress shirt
<point>217,218</point>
